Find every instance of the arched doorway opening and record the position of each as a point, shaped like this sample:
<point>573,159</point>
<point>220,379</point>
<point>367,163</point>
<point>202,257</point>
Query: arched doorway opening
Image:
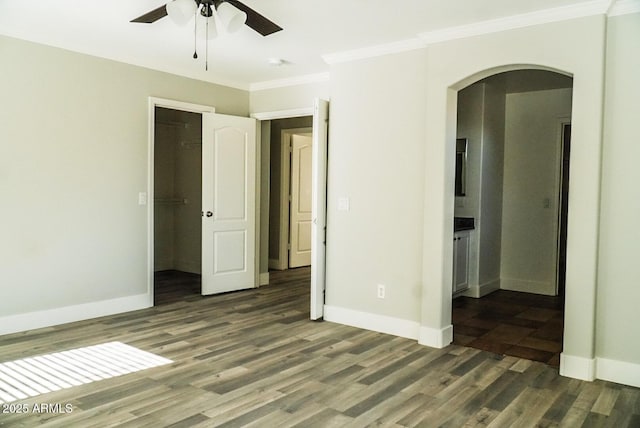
<point>509,236</point>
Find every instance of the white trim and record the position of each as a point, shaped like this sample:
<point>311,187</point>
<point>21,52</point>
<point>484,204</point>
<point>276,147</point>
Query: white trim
<point>527,286</point>
<point>595,7</point>
<point>624,7</point>
<point>50,317</point>
<point>289,81</point>
<point>434,337</point>
<point>374,322</point>
<point>618,371</point>
<point>561,122</point>
<point>180,105</point>
<point>283,114</point>
<point>481,290</point>
<point>577,367</point>
<point>264,278</point>
<point>563,13</point>
<point>285,174</point>
<point>151,117</point>
<point>374,51</point>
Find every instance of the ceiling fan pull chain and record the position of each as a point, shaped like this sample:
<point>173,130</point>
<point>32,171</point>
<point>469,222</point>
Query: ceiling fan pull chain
<point>206,54</point>
<point>195,36</point>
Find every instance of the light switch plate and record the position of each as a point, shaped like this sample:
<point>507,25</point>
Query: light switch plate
<point>343,204</point>
<point>142,198</point>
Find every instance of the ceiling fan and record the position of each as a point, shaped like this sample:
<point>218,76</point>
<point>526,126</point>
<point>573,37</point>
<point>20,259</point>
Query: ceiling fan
<point>254,20</point>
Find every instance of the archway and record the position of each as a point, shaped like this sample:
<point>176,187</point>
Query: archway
<point>452,71</point>
<point>507,207</point>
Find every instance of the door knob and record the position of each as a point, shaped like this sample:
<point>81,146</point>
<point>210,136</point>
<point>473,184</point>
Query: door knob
<point>209,214</point>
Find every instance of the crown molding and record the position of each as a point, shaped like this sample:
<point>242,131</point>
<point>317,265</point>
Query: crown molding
<point>624,7</point>
<point>594,7</point>
<point>373,51</point>
<point>290,81</point>
<point>556,14</point>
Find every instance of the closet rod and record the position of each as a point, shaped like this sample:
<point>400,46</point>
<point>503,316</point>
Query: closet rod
<point>171,201</point>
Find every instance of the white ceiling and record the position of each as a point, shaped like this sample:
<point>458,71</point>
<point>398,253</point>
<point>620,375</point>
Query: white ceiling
<point>312,28</point>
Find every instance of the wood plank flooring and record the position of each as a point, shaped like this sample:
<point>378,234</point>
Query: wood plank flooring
<point>253,359</point>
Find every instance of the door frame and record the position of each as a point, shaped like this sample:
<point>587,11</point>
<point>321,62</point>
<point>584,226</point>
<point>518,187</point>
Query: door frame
<point>264,117</point>
<point>154,102</point>
<point>285,114</point>
<point>561,123</point>
<point>285,192</point>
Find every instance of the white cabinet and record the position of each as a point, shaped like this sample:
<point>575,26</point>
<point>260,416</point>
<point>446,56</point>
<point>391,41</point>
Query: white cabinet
<point>460,261</point>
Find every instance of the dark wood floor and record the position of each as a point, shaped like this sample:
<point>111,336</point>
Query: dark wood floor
<point>511,323</point>
<point>174,286</point>
<point>253,358</point>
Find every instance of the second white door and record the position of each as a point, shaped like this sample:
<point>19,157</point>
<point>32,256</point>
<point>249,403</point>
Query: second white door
<point>301,189</point>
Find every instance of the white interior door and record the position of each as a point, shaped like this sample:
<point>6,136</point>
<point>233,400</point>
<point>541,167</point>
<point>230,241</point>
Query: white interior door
<point>300,217</point>
<point>228,203</point>
<point>319,206</point>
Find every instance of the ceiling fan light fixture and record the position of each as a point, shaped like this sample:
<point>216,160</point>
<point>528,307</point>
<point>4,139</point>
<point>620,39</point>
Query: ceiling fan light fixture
<point>231,18</point>
<point>181,11</point>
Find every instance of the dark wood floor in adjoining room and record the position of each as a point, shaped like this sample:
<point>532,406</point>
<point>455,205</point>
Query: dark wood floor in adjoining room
<point>253,358</point>
<point>506,322</point>
<point>173,285</point>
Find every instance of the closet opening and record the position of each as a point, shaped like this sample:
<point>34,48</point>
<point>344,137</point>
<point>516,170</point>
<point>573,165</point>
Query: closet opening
<point>177,196</point>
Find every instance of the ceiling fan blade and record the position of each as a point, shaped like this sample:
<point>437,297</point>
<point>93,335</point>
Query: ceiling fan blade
<point>256,21</point>
<point>153,16</point>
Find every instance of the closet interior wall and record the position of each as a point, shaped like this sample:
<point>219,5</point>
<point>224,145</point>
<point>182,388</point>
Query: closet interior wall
<point>177,190</point>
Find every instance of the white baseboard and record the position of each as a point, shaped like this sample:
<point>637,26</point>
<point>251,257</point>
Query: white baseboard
<point>264,278</point>
<point>32,320</point>
<point>368,321</point>
<point>537,287</point>
<point>577,367</point>
<point>434,337</point>
<point>275,264</point>
<point>618,372</point>
<point>482,290</point>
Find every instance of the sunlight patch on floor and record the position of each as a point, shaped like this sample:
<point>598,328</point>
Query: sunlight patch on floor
<point>33,376</point>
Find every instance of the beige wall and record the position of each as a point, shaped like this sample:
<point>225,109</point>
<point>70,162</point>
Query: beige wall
<point>376,159</point>
<point>386,113</point>
<point>73,159</point>
<point>481,119</point>
<point>490,221</point>
<point>532,156</point>
<point>618,269</point>
<point>469,126</point>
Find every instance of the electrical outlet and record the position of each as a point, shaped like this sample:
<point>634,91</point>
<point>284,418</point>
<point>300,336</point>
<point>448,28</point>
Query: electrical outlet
<point>380,291</point>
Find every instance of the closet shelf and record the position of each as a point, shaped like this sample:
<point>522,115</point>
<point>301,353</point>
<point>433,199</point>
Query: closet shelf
<point>190,143</point>
<point>171,201</point>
